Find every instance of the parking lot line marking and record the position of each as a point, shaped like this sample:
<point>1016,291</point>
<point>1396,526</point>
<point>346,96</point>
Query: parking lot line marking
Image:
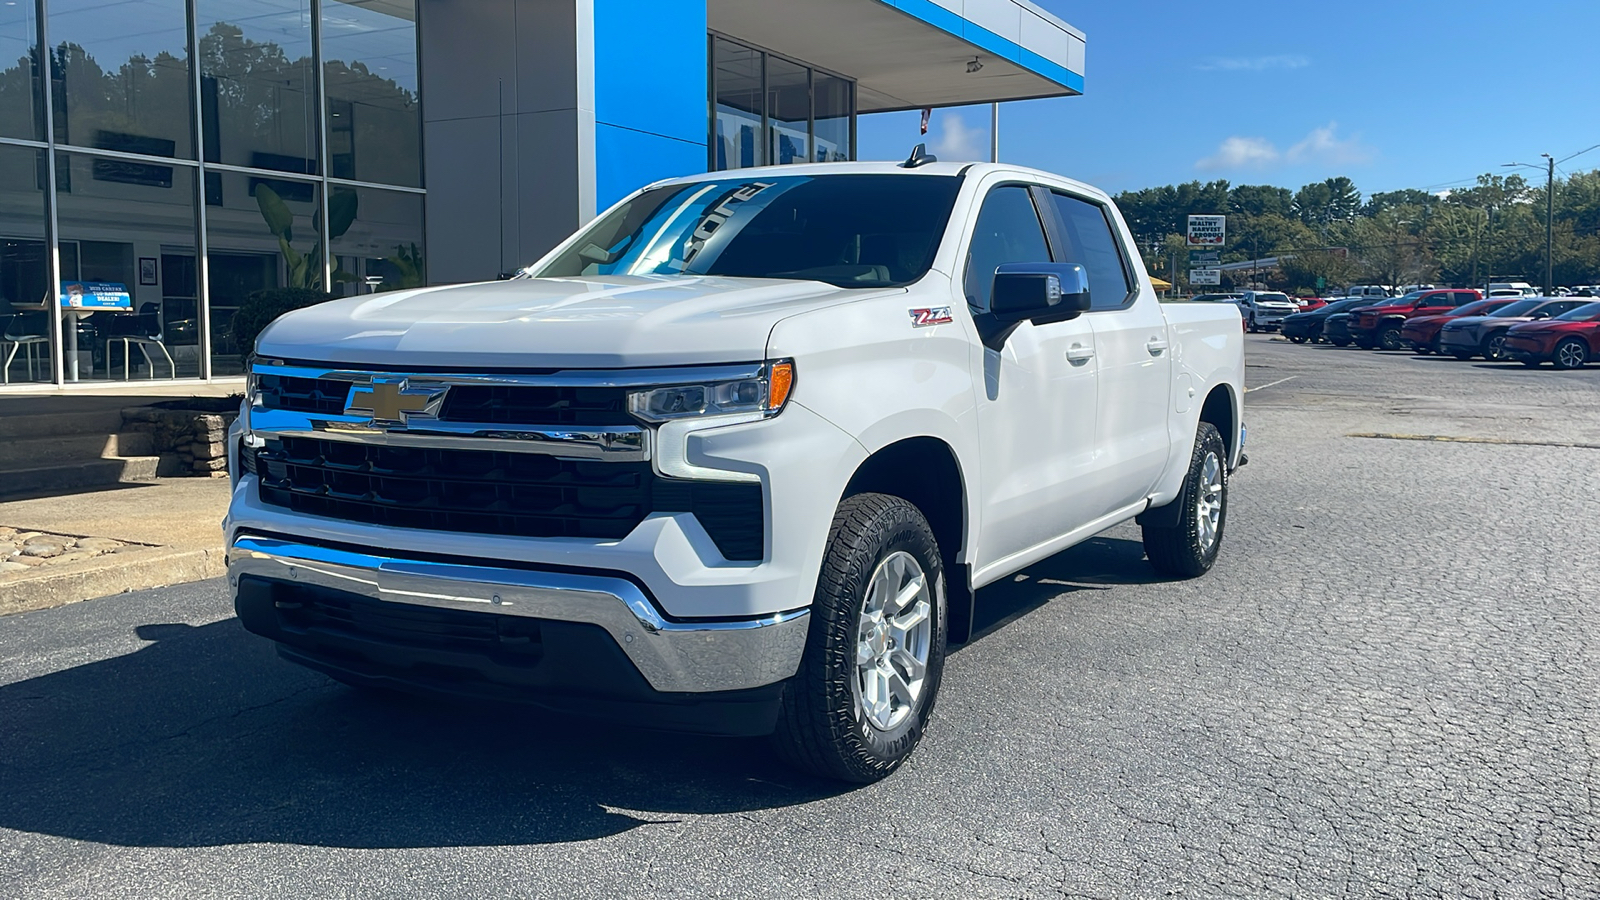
<point>1452,439</point>
<point>1270,384</point>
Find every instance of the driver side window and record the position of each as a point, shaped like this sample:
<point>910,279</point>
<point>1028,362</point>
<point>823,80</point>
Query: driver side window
<point>1008,231</point>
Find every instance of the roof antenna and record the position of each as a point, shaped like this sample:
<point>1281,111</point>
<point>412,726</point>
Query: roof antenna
<point>919,157</point>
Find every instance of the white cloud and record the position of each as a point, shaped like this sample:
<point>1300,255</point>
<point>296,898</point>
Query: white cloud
<point>1253,63</point>
<point>1240,153</point>
<point>957,142</point>
<point>1323,145</point>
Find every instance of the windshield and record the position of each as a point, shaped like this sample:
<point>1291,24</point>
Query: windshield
<point>1272,298</point>
<point>1582,314</point>
<point>1411,296</point>
<point>1517,308</point>
<point>854,231</point>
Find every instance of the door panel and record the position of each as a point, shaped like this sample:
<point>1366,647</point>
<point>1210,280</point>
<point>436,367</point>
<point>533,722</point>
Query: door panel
<point>1036,406</point>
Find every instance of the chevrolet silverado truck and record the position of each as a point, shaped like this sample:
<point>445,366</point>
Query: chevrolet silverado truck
<point>1266,310</point>
<point>736,456</point>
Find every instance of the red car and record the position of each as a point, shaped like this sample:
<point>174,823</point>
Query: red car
<point>1378,326</point>
<point>1568,340</point>
<point>1422,332</point>
<point>1307,304</point>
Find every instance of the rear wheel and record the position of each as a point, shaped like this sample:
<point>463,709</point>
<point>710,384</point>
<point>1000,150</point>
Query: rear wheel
<point>875,652</point>
<point>1189,548</point>
<point>1571,353</point>
<point>1494,346</point>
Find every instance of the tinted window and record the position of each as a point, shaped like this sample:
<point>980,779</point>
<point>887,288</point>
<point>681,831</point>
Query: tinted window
<point>1008,231</point>
<point>1582,314</point>
<point>847,230</point>
<point>1090,244</point>
<point>1518,308</point>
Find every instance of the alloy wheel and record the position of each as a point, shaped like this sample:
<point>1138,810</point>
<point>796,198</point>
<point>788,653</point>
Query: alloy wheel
<point>1208,506</point>
<point>893,640</point>
<point>1571,355</point>
<point>1495,347</point>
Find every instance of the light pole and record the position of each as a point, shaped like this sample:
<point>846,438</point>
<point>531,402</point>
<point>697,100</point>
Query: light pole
<point>1549,210</point>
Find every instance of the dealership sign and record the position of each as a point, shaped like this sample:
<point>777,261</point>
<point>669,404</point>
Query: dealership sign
<point>1208,231</point>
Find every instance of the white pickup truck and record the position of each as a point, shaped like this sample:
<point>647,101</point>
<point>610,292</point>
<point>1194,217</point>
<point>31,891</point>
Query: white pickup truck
<point>736,456</point>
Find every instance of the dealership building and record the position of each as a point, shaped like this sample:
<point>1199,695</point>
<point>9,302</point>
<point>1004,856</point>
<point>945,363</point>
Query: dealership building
<point>161,160</point>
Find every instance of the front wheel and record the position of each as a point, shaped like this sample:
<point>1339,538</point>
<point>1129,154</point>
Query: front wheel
<point>1571,353</point>
<point>1494,347</point>
<point>1297,338</point>
<point>867,683</point>
<point>1189,548</point>
<point>1389,338</point>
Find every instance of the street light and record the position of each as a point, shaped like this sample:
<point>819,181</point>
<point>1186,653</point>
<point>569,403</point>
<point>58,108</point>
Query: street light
<point>1549,209</point>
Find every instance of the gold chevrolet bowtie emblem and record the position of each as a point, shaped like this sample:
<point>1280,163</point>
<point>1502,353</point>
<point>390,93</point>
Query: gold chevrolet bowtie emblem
<point>387,401</point>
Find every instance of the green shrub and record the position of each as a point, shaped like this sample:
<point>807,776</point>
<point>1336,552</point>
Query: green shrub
<point>261,307</point>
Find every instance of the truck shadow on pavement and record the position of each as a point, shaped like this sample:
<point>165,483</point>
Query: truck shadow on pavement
<point>202,737</point>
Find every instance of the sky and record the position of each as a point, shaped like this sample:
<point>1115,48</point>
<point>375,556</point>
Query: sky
<point>1392,93</point>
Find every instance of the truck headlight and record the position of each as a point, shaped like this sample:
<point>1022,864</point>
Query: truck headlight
<point>679,410</point>
<point>760,396</point>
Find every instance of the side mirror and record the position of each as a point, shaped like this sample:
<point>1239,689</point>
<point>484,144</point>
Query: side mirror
<point>1041,293</point>
<point>1539,315</point>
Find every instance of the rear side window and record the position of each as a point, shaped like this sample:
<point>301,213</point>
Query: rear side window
<point>1008,231</point>
<point>1090,244</point>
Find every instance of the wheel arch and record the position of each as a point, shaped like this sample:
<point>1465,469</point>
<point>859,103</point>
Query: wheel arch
<point>926,472</point>
<point>1221,409</point>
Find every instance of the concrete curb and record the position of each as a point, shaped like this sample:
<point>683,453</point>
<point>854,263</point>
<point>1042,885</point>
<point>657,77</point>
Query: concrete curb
<point>113,574</point>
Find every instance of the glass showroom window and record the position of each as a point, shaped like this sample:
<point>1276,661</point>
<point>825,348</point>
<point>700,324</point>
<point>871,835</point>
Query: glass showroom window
<point>21,109</point>
<point>770,110</point>
<point>258,85</point>
<point>124,76</point>
<point>26,334</point>
<point>736,141</point>
<point>124,225</point>
<point>370,73</point>
<point>262,232</point>
<point>377,240</point>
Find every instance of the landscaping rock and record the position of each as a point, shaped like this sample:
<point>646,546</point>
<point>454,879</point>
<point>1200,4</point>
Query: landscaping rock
<point>8,567</point>
<point>27,561</point>
<point>45,547</point>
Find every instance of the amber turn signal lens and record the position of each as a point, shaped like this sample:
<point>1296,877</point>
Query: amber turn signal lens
<point>779,383</point>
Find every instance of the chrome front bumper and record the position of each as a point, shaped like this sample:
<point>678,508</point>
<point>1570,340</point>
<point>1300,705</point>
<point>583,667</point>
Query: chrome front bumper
<point>695,656</point>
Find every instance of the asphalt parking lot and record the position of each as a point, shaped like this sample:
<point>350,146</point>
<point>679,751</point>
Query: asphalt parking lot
<point>1390,685</point>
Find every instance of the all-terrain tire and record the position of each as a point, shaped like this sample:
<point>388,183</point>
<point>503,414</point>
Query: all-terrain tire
<point>1182,550</point>
<point>823,727</point>
<point>1389,338</point>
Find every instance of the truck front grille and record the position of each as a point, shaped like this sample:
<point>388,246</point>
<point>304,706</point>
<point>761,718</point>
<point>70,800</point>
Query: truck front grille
<point>487,404</point>
<point>497,492</point>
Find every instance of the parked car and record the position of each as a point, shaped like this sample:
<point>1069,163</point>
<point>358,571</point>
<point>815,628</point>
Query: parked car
<point>1307,304</point>
<point>1336,328</point>
<point>1422,332</point>
<point>1264,310</point>
<point>733,484</point>
<point>1307,326</point>
<point>1378,326</point>
<point>1372,291</point>
<point>1521,287</point>
<point>1568,340</point>
<point>1485,336</point>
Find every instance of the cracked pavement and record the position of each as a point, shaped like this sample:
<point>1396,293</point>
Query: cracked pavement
<point>1388,686</point>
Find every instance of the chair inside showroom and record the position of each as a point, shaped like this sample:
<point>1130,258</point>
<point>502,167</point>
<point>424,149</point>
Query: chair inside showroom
<point>26,331</point>
<point>142,330</point>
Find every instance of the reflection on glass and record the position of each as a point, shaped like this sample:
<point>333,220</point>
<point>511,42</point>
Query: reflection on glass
<point>25,330</point>
<point>123,81</point>
<point>117,216</point>
<point>21,115</point>
<point>737,142</point>
<point>834,103</point>
<point>244,252</point>
<point>257,84</point>
<point>788,111</point>
<point>370,72</point>
<point>381,250</point>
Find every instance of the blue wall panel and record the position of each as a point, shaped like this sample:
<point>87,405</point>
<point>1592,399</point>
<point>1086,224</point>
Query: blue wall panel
<point>625,160</point>
<point>649,79</point>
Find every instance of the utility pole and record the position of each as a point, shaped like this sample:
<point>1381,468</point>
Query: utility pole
<point>1549,224</point>
<point>994,132</point>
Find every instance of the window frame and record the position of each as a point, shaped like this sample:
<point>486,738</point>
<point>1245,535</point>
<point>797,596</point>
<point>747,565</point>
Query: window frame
<point>1059,239</point>
<point>1045,226</point>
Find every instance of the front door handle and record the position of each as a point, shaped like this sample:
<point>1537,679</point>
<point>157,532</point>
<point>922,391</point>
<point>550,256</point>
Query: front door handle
<point>1079,353</point>
<point>1155,346</point>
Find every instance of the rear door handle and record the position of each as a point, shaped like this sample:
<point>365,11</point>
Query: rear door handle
<point>1080,353</point>
<point>1155,346</point>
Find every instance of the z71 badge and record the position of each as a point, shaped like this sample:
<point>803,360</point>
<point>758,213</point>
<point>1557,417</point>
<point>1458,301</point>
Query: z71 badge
<point>921,318</point>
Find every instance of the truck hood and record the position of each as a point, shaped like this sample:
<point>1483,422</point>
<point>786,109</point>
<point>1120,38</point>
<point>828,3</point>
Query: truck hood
<point>595,322</point>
